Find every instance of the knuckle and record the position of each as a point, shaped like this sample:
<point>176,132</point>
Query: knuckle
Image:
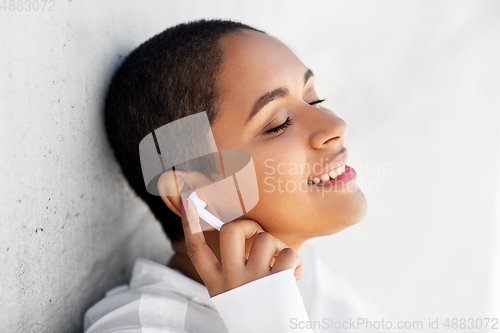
<point>192,250</point>
<point>229,228</point>
<point>264,237</point>
<point>289,253</point>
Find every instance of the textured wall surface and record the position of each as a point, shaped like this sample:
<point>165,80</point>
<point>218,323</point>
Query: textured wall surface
<point>416,81</point>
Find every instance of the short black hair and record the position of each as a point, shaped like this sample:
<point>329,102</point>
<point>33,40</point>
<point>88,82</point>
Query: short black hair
<point>170,76</point>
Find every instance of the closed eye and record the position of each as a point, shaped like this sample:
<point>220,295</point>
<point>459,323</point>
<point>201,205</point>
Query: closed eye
<point>288,121</point>
<point>318,101</point>
<point>281,127</point>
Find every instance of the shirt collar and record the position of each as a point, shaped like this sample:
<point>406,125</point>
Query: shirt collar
<point>147,273</point>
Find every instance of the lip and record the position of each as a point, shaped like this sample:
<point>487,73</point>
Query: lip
<point>339,160</point>
<point>349,175</point>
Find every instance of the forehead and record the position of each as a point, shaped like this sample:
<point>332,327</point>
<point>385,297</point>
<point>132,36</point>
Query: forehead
<point>255,63</point>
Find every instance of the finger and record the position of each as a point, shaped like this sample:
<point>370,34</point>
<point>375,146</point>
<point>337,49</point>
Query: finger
<point>299,271</point>
<point>249,242</point>
<point>264,248</point>
<point>288,258</point>
<point>232,243</point>
<point>248,245</point>
<point>204,260</point>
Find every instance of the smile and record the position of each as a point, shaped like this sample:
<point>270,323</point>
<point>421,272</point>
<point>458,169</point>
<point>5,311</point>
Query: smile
<point>329,175</point>
<point>345,174</point>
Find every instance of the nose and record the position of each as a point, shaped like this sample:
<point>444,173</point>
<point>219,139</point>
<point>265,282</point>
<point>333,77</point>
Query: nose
<point>329,129</point>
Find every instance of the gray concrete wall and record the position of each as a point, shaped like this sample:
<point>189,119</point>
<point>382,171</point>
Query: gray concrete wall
<point>417,82</point>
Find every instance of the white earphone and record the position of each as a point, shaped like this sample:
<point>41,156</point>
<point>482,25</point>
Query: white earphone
<point>203,213</point>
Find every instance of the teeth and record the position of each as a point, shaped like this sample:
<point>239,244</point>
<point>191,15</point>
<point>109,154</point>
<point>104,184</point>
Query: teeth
<point>340,170</point>
<point>325,177</point>
<point>331,175</point>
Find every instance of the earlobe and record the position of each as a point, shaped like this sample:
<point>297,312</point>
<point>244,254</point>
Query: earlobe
<point>169,186</point>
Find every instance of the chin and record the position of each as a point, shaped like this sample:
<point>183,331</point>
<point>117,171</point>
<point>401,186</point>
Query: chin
<point>355,214</point>
<point>359,210</point>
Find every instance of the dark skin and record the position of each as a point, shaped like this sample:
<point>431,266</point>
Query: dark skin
<point>181,261</point>
<point>255,64</point>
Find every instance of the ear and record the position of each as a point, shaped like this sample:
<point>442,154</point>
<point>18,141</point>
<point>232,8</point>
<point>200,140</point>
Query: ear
<point>169,186</point>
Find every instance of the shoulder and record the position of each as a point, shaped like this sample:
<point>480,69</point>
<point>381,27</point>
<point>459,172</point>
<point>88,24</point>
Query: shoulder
<point>156,297</point>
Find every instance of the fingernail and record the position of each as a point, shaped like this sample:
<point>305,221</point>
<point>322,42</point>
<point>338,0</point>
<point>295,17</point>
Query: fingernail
<point>185,203</point>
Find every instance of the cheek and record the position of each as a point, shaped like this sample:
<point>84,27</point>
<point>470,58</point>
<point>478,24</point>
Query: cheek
<point>285,180</point>
<point>277,213</point>
<point>281,164</point>
<point>280,171</point>
<point>282,206</point>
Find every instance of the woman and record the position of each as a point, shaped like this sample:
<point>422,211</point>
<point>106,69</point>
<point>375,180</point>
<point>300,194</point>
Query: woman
<point>259,97</point>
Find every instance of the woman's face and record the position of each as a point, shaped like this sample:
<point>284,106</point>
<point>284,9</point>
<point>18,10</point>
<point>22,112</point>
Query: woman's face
<point>254,65</point>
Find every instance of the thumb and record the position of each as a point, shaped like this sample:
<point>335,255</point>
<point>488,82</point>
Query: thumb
<point>190,217</point>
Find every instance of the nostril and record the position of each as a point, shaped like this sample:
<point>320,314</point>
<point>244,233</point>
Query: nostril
<point>331,139</point>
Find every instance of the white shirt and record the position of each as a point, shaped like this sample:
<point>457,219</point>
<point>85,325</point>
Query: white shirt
<point>161,299</point>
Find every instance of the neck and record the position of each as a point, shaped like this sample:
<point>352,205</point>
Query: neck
<point>181,262</point>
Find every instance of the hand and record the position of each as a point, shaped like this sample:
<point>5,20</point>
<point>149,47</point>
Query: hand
<point>235,269</point>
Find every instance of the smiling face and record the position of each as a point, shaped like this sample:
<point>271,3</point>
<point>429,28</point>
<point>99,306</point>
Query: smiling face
<point>263,86</point>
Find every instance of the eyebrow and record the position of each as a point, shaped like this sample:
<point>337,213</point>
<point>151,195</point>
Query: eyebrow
<point>272,95</point>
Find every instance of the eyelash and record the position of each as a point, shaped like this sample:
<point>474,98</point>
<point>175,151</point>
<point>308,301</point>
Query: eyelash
<point>288,121</point>
<point>318,101</point>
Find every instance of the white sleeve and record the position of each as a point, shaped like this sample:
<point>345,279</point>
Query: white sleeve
<point>269,304</point>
